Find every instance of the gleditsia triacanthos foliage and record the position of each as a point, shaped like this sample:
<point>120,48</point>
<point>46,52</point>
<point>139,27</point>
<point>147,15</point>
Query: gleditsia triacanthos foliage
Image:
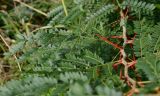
<point>65,57</point>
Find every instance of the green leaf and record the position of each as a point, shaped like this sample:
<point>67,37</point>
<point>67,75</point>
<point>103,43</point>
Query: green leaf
<point>150,65</point>
<point>93,58</point>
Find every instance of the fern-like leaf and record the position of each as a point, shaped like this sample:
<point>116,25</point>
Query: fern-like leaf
<point>138,6</point>
<point>104,10</point>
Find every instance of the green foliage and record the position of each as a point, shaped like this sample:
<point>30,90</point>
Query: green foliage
<point>71,76</point>
<point>16,47</point>
<point>138,6</point>
<point>55,11</point>
<point>53,20</point>
<point>32,86</point>
<point>79,90</point>
<point>93,57</point>
<point>147,46</point>
<point>65,58</point>
<point>150,65</point>
<point>43,86</point>
<point>148,35</point>
<point>106,9</point>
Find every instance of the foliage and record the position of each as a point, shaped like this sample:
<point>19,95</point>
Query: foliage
<point>63,55</point>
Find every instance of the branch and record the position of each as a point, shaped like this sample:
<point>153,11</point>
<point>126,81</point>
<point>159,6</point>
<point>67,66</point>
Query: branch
<point>125,63</point>
<point>109,42</point>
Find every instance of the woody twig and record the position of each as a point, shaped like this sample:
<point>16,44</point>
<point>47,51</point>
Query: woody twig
<point>124,59</point>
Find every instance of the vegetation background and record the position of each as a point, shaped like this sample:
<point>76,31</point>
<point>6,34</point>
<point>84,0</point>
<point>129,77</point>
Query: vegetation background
<point>50,47</point>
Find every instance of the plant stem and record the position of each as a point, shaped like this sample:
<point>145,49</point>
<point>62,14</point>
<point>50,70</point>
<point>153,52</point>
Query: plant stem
<point>38,11</point>
<point>124,55</point>
<point>64,7</point>
<point>18,64</point>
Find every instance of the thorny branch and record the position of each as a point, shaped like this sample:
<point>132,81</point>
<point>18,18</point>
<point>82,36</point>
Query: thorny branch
<point>123,59</point>
<point>129,80</point>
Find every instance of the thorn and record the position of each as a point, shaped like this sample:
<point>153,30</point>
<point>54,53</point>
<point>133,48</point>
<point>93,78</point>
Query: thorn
<point>116,64</point>
<point>109,42</point>
<point>119,37</point>
<point>130,64</point>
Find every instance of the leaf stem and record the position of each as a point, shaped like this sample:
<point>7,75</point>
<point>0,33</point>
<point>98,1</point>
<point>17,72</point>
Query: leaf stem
<point>64,7</point>
<point>38,11</point>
